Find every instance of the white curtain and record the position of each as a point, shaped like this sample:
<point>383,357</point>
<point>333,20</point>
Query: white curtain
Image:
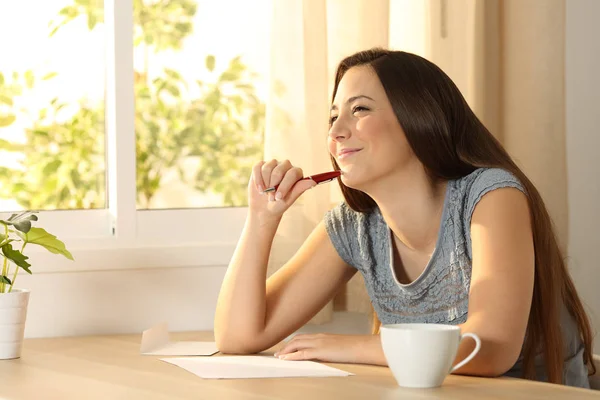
<point>297,116</point>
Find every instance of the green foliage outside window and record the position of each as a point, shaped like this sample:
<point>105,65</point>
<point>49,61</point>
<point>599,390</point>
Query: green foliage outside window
<point>215,125</point>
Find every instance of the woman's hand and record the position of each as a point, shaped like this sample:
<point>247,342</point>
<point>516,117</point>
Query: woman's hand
<point>269,174</point>
<point>356,349</point>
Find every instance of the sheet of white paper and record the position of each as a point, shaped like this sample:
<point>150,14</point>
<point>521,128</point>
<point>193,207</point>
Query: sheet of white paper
<point>155,341</point>
<point>239,367</point>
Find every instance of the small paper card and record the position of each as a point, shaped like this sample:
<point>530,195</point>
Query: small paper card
<point>243,367</point>
<point>155,341</point>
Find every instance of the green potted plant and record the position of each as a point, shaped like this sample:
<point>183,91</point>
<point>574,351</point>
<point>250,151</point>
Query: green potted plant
<point>15,231</point>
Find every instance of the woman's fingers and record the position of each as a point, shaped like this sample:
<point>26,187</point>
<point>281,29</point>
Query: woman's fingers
<point>301,341</point>
<point>294,345</point>
<point>266,172</point>
<point>279,172</point>
<point>299,188</point>
<point>305,354</point>
<point>290,178</point>
<point>295,352</point>
<point>287,178</point>
<point>257,176</point>
<point>303,347</point>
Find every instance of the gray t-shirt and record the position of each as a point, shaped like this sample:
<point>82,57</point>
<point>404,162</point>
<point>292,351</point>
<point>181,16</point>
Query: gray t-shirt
<point>441,293</point>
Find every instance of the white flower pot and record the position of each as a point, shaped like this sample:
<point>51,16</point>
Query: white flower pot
<point>13,312</point>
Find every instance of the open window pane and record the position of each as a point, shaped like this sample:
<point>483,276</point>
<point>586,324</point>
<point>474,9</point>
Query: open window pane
<point>52,105</point>
<point>200,92</point>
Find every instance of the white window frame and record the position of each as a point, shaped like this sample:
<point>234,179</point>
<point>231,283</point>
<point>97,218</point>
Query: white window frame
<point>120,236</point>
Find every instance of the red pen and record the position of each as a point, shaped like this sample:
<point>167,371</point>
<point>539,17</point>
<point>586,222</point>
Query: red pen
<point>318,179</point>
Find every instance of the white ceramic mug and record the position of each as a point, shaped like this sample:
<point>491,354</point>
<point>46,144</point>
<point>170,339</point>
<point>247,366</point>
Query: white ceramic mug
<point>421,355</point>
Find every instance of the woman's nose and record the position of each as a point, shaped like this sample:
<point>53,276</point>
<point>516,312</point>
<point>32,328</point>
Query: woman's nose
<point>338,131</point>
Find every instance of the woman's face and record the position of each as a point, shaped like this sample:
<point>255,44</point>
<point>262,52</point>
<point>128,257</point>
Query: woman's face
<point>365,137</point>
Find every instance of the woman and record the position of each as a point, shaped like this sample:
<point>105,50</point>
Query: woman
<point>443,225</point>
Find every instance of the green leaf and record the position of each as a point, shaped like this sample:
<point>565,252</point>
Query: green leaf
<point>40,133</point>
<point>6,100</point>
<point>92,21</point>
<point>4,279</point>
<point>174,90</point>
<point>42,238</point>
<point>54,30</point>
<point>75,177</point>
<point>5,144</point>
<point>65,11</point>
<point>49,75</point>
<point>6,120</point>
<point>16,257</point>
<point>21,222</point>
<point>173,74</point>
<point>9,146</point>
<point>29,78</point>
<point>51,167</point>
<point>210,62</point>
<point>229,76</point>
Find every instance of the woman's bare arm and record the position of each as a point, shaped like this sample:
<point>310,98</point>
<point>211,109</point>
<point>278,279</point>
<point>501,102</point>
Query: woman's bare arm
<point>254,314</point>
<point>501,282</point>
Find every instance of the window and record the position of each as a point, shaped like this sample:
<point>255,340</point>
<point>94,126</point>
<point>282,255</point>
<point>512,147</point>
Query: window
<point>131,125</point>
<point>51,107</point>
<point>200,87</point>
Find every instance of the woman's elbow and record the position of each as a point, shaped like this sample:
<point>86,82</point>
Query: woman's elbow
<point>503,359</point>
<point>489,365</point>
<point>232,347</point>
<point>484,368</point>
<point>236,344</point>
<point>493,370</point>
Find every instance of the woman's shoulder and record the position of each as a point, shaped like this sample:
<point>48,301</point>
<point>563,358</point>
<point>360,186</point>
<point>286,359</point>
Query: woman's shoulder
<point>483,180</point>
<point>466,192</point>
<point>470,189</point>
<point>489,176</point>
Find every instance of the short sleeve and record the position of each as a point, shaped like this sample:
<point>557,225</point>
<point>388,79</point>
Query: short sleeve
<point>486,181</point>
<point>341,226</point>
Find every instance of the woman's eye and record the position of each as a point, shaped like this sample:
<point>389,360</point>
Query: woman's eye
<point>359,108</point>
<point>332,119</point>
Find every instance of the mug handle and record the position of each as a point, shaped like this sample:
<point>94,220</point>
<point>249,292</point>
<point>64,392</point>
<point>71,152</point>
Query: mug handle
<point>473,353</point>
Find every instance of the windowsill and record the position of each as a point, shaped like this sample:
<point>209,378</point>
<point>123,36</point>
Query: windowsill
<point>161,239</point>
<point>143,257</point>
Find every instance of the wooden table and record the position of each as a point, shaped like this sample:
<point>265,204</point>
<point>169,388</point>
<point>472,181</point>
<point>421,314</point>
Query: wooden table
<point>110,367</point>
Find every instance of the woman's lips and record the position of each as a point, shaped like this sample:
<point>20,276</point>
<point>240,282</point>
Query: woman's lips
<point>347,153</point>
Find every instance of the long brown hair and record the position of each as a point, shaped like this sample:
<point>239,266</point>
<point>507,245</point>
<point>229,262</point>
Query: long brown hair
<point>451,142</point>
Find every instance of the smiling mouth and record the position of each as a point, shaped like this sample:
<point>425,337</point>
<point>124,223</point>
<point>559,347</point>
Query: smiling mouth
<point>347,154</point>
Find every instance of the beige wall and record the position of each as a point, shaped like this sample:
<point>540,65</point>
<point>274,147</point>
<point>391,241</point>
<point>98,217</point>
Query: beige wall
<point>583,146</point>
<point>121,301</point>
<point>533,99</point>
